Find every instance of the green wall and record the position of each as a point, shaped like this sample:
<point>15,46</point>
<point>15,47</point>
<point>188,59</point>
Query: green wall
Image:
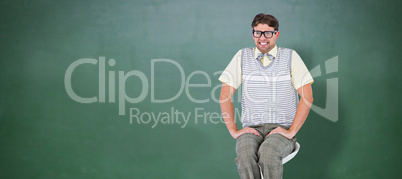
<point>45,133</point>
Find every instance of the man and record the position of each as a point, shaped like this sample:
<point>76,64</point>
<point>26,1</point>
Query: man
<point>272,78</point>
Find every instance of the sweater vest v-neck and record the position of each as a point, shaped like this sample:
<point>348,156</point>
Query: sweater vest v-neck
<point>268,95</point>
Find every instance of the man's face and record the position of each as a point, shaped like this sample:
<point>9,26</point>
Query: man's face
<point>264,45</point>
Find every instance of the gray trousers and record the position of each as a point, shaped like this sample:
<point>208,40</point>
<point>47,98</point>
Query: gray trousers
<point>255,151</point>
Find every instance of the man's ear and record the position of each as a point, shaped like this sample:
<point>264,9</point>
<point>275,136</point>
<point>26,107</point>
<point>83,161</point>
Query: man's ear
<point>277,34</point>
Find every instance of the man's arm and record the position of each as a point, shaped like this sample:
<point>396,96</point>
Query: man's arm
<point>303,108</point>
<point>226,102</point>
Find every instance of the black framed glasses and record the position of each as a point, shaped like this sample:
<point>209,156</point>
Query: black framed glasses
<point>267,34</point>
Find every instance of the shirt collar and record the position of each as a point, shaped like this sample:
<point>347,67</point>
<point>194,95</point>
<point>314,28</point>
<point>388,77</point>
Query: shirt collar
<point>273,52</point>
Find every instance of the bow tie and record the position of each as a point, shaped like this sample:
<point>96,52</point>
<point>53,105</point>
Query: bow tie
<point>260,56</point>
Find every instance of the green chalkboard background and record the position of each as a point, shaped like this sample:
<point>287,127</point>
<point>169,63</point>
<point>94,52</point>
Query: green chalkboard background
<point>45,133</point>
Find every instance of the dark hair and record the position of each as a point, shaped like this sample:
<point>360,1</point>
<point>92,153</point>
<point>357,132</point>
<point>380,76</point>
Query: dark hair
<point>265,19</point>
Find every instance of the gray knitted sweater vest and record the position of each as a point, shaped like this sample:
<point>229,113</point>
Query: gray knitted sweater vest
<point>268,95</point>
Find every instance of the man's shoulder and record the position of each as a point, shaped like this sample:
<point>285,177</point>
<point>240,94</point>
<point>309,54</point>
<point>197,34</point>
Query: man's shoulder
<point>248,51</point>
<point>247,48</point>
<point>286,49</point>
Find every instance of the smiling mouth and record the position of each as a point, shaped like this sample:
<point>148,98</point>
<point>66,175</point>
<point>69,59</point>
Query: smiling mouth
<point>263,43</point>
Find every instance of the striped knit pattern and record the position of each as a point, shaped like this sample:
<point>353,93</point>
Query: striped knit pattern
<point>268,95</point>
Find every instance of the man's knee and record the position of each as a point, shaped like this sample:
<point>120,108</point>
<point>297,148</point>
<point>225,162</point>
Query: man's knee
<point>274,148</point>
<point>246,149</point>
<point>246,157</point>
<point>247,152</point>
<point>269,151</point>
